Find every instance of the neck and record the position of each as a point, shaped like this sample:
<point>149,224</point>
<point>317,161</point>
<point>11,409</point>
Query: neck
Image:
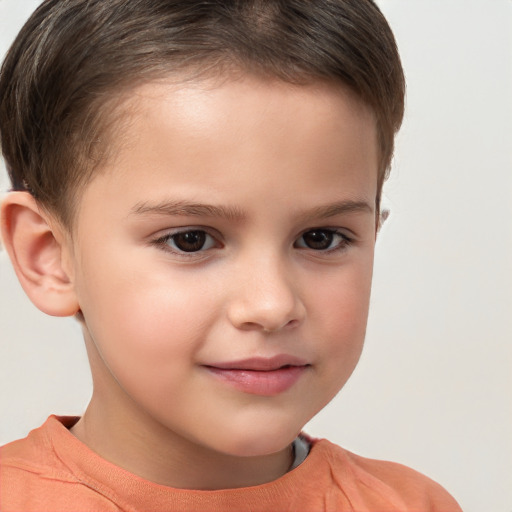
<point>132,440</point>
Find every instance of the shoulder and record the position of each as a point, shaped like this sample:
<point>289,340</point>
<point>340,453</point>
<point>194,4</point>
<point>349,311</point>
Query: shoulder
<point>33,477</point>
<point>30,455</point>
<point>387,481</point>
<point>34,453</point>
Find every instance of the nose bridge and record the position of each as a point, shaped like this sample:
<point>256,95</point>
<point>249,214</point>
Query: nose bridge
<point>265,295</point>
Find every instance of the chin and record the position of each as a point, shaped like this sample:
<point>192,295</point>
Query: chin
<point>258,440</point>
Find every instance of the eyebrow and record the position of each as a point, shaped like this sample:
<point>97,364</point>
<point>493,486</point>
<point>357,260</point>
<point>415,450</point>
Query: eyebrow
<point>338,208</point>
<point>234,213</point>
<point>188,209</point>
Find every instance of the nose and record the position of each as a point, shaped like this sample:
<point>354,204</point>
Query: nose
<point>265,297</point>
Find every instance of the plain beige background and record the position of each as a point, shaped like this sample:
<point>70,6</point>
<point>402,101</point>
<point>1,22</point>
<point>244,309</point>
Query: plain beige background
<point>433,388</point>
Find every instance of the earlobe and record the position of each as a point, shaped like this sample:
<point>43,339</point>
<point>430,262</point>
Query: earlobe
<point>37,254</point>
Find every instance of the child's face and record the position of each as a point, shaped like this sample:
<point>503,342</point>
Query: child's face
<point>223,261</point>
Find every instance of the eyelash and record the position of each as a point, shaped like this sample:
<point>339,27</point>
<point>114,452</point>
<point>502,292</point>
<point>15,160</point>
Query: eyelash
<point>163,241</point>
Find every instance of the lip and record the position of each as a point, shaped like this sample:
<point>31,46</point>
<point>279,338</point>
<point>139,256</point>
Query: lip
<point>260,376</point>
<point>261,363</point>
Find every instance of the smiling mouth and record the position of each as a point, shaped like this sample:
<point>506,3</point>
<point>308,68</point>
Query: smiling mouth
<point>264,377</point>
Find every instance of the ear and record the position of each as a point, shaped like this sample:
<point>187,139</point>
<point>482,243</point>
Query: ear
<point>38,251</point>
<point>382,216</point>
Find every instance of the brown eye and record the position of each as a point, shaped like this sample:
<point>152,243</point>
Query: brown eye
<point>322,240</point>
<point>319,240</point>
<point>191,241</point>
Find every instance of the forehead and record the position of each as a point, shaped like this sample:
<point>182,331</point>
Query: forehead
<point>208,110</point>
<point>217,135</point>
<point>244,96</point>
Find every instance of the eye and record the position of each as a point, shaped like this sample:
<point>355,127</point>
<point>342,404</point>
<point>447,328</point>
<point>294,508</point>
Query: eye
<point>189,241</point>
<point>322,240</point>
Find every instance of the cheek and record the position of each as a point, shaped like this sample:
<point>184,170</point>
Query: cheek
<point>343,297</point>
<point>342,312</point>
<point>146,325</point>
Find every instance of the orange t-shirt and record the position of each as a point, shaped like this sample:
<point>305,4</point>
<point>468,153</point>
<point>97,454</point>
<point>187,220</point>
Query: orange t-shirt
<point>51,470</point>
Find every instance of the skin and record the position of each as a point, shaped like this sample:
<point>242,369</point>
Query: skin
<point>279,161</point>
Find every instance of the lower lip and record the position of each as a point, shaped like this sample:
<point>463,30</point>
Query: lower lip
<point>263,383</point>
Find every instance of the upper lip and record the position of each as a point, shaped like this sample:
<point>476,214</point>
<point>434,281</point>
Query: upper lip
<point>261,363</point>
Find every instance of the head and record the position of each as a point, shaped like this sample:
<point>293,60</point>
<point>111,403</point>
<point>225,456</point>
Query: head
<point>201,182</point>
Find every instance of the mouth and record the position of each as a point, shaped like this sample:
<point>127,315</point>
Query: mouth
<point>260,376</point>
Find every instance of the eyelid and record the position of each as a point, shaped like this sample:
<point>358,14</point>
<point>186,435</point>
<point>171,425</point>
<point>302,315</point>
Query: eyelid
<point>166,233</point>
<point>344,232</point>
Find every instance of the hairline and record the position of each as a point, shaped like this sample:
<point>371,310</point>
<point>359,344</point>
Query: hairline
<point>119,107</point>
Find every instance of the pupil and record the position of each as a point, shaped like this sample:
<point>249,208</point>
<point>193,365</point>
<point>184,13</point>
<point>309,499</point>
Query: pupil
<point>319,240</point>
<point>190,241</point>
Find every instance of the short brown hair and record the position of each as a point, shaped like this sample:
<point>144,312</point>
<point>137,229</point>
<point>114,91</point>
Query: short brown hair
<point>74,57</point>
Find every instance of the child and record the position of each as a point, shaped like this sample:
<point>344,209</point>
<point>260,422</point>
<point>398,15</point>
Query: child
<point>198,183</point>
